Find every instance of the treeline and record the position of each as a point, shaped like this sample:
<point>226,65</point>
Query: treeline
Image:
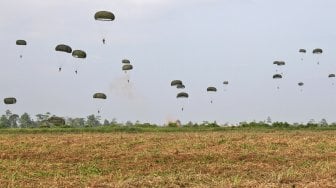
<point>10,120</point>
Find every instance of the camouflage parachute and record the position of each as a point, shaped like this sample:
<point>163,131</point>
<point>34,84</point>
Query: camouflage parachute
<point>79,54</point>
<point>126,61</point>
<point>277,76</point>
<point>331,76</point>
<point>21,42</point>
<point>226,82</point>
<point>302,50</point>
<point>99,96</point>
<point>104,16</point>
<point>211,89</point>
<point>127,67</point>
<point>10,100</point>
<point>63,48</point>
<point>279,63</point>
<point>317,51</point>
<point>182,95</point>
<point>180,86</point>
<point>300,83</point>
<point>176,83</point>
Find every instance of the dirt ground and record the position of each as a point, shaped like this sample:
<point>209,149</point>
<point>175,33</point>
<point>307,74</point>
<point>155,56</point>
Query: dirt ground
<point>203,159</point>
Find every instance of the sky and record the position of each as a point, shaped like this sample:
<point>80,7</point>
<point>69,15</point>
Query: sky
<point>201,42</point>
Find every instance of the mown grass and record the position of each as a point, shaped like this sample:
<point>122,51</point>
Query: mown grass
<point>231,158</point>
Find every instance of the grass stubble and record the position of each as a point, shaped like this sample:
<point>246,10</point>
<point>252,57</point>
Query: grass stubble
<point>186,159</point>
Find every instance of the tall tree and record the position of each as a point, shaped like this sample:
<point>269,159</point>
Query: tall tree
<point>26,121</point>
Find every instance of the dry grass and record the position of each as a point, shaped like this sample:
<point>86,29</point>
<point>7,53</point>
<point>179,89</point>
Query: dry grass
<point>219,159</point>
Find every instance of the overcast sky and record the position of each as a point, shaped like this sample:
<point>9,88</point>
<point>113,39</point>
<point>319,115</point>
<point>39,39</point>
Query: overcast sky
<point>201,42</point>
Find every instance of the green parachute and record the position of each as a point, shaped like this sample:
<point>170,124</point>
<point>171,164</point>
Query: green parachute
<point>22,44</point>
<point>104,16</point>
<point>10,100</point>
<point>99,96</point>
<point>176,83</point>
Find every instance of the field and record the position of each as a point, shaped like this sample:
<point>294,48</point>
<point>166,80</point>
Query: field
<point>231,158</point>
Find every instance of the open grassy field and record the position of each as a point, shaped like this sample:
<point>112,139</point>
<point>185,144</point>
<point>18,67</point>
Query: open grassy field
<point>275,158</point>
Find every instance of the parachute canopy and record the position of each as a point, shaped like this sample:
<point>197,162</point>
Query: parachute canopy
<point>331,75</point>
<point>182,95</point>
<point>126,61</point>
<point>127,67</point>
<point>21,42</point>
<point>226,82</point>
<point>104,16</point>
<point>180,86</point>
<point>56,120</point>
<point>176,83</point>
<point>277,76</point>
<point>79,54</point>
<point>99,96</point>
<point>211,89</point>
<point>10,100</point>
<point>63,48</point>
<point>302,50</point>
<point>317,51</point>
<point>300,83</point>
<point>279,63</point>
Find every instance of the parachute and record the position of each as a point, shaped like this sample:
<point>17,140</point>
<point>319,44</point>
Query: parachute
<point>182,95</point>
<point>300,84</point>
<point>56,121</point>
<point>22,43</point>
<point>276,77</point>
<point>279,63</point>
<point>80,54</point>
<point>226,82</point>
<point>176,83</point>
<point>126,61</point>
<point>180,86</point>
<point>10,100</point>
<point>317,51</point>
<point>332,76</point>
<point>104,16</point>
<point>302,50</point>
<point>211,89</point>
<point>63,48</point>
<point>127,67</point>
<point>99,96</point>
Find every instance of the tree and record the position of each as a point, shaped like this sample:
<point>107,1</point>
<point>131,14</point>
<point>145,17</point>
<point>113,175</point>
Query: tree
<point>93,121</point>
<point>13,120</point>
<point>269,120</point>
<point>106,122</point>
<point>4,122</point>
<point>323,122</point>
<point>25,121</point>
<point>114,121</point>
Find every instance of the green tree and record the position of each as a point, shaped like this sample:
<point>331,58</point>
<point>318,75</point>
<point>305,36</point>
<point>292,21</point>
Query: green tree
<point>25,121</point>
<point>4,122</point>
<point>93,121</point>
<point>13,120</point>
